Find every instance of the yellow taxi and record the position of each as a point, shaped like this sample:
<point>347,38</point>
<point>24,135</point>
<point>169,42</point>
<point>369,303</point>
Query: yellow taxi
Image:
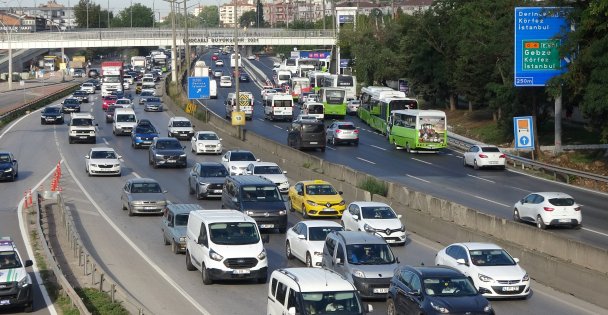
<point>316,198</point>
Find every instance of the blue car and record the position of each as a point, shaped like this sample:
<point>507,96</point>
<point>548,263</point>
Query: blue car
<point>142,135</point>
<point>9,169</point>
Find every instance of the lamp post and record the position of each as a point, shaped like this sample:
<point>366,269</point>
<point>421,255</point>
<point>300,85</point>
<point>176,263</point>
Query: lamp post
<point>186,38</point>
<point>10,57</point>
<point>236,66</point>
<point>173,45</point>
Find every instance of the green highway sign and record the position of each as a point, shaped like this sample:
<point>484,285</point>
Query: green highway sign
<point>541,55</point>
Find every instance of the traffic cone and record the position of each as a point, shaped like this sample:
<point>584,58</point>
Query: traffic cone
<point>25,199</point>
<point>29,197</point>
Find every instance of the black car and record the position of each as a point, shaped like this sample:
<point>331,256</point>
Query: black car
<point>9,169</point>
<point>81,95</point>
<point>93,73</point>
<point>167,151</point>
<point>434,290</point>
<point>244,77</point>
<point>51,115</point>
<point>206,179</point>
<point>70,105</point>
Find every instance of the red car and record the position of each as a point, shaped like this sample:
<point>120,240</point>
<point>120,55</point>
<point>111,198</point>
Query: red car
<point>108,100</point>
<point>214,58</point>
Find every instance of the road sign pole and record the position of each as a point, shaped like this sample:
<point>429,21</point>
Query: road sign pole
<point>558,124</point>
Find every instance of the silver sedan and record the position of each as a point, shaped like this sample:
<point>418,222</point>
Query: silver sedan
<point>143,195</point>
<point>342,132</point>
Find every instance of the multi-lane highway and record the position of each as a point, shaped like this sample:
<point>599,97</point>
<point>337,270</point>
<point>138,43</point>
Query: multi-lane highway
<point>131,247</point>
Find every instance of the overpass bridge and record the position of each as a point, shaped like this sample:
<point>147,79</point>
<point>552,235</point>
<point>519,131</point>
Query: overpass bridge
<point>142,37</point>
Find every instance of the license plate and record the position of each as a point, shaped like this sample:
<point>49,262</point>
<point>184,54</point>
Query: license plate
<point>82,137</point>
<point>493,162</point>
<point>5,302</point>
<point>241,271</point>
<point>390,241</point>
<point>171,161</point>
<point>314,142</point>
<point>508,289</point>
<point>149,208</point>
<point>266,226</point>
<point>218,191</point>
<point>327,209</point>
<point>381,290</point>
<point>564,220</point>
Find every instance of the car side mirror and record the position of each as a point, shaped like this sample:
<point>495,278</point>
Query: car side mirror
<point>224,159</point>
<point>340,192</point>
<point>284,172</point>
<point>96,125</point>
<point>120,156</point>
<point>399,216</point>
<point>193,126</point>
<point>265,238</point>
<point>302,237</point>
<point>14,161</point>
<point>523,201</point>
<point>355,217</point>
<point>170,224</point>
<point>516,260</point>
<point>339,261</point>
<point>87,157</point>
<point>249,172</point>
<point>301,193</point>
<point>461,261</point>
<point>257,160</point>
<point>28,263</point>
<point>221,139</point>
<point>164,191</point>
<point>183,147</point>
<point>234,199</point>
<point>415,292</point>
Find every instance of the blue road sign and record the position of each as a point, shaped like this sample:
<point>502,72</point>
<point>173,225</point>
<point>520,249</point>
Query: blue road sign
<point>538,33</point>
<point>524,132</point>
<point>198,87</point>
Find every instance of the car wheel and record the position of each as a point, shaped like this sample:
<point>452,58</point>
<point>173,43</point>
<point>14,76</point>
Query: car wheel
<point>190,190</point>
<point>205,275</point>
<point>390,307</point>
<point>475,166</point>
<point>577,226</point>
<point>516,217</point>
<point>130,211</point>
<point>464,161</point>
<point>70,141</point>
<point>192,148</point>
<point>154,165</point>
<point>304,213</point>
<point>308,260</point>
<point>29,308</point>
<point>291,208</point>
<point>356,143</point>
<point>165,241</point>
<point>323,149</point>
<point>189,265</point>
<point>288,253</point>
<point>540,223</point>
<point>174,247</point>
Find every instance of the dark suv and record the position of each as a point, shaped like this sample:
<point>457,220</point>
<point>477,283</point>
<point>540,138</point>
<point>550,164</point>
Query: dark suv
<point>167,151</point>
<point>306,133</point>
<point>51,115</point>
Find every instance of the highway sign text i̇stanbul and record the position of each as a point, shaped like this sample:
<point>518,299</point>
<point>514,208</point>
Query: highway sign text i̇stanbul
<point>198,87</point>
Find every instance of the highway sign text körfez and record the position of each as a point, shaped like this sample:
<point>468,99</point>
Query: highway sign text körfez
<point>198,87</point>
<point>538,32</point>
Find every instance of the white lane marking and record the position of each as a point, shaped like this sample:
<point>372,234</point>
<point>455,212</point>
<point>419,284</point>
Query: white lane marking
<point>487,180</point>
<point>421,161</point>
<point>492,201</point>
<point>331,148</point>
<point>520,189</point>
<point>594,231</point>
<point>136,175</point>
<point>377,147</point>
<point>364,160</point>
<point>105,141</point>
<point>418,178</point>
<point>260,119</point>
<point>28,245</point>
<point>450,154</point>
<point>279,127</point>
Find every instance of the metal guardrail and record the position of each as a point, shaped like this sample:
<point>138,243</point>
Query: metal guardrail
<point>561,174</point>
<point>37,101</point>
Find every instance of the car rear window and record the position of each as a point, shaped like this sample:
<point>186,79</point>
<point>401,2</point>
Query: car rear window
<point>312,128</point>
<point>490,149</point>
<point>347,127</point>
<point>561,202</point>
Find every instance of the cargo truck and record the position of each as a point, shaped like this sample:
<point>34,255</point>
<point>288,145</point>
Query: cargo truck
<point>112,77</point>
<point>138,63</point>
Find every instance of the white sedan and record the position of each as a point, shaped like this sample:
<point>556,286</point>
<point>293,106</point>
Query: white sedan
<point>251,57</point>
<point>374,217</point>
<point>484,156</point>
<point>124,103</point>
<point>225,81</point>
<point>270,171</point>
<point>549,208</point>
<point>102,161</point>
<point>305,240</point>
<point>219,63</point>
<point>493,271</point>
<point>206,142</point>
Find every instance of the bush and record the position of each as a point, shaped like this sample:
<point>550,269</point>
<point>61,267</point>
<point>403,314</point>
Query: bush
<point>374,186</point>
<point>99,303</point>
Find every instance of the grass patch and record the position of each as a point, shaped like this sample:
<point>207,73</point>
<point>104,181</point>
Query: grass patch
<point>585,157</point>
<point>99,303</point>
<point>490,134</point>
<point>374,186</point>
<point>306,165</point>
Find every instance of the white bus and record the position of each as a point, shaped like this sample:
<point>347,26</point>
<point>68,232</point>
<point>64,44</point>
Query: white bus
<point>291,65</point>
<point>315,78</point>
<point>278,106</point>
<point>347,82</point>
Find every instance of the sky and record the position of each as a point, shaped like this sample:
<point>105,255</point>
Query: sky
<point>115,5</point>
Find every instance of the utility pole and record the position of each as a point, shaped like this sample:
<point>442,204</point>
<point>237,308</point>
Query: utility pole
<point>186,38</point>
<point>173,45</point>
<point>236,65</point>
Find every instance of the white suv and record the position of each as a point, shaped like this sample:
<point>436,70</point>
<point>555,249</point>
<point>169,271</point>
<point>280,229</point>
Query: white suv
<point>82,127</point>
<point>15,281</point>
<point>180,128</point>
<point>88,87</point>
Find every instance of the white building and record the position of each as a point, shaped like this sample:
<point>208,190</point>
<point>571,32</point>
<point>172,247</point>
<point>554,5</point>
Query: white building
<point>227,12</point>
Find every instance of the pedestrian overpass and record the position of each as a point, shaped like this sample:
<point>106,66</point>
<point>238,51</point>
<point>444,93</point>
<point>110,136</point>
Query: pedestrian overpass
<point>146,37</point>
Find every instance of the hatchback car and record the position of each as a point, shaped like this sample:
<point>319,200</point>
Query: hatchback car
<point>173,225</point>
<point>143,195</point>
<point>219,63</point>
<point>214,57</point>
<point>243,77</point>
<point>342,132</point>
<point>434,290</point>
<point>51,115</point>
<point>225,81</point>
<point>316,198</point>
<point>79,73</point>
<point>143,135</point>
<point>206,179</point>
<point>81,95</point>
<point>70,105</point>
<point>484,156</point>
<point>167,152</point>
<point>108,100</point>
<point>102,161</point>
<point>9,168</point>
<point>206,142</point>
<point>305,240</point>
<point>549,209</point>
<point>270,171</point>
<point>236,161</point>
<point>374,217</point>
<point>124,103</point>
<point>218,73</point>
<point>493,271</point>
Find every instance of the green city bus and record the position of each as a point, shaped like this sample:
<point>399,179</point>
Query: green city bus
<point>316,78</point>
<point>377,102</point>
<point>334,101</point>
<point>418,130</point>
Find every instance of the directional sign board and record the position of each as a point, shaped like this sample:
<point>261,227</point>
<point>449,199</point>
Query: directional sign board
<point>538,32</point>
<point>524,132</point>
<point>198,87</point>
<point>244,100</point>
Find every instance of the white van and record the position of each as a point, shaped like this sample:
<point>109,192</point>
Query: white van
<point>212,88</point>
<point>124,121</point>
<point>226,245</point>
<point>231,104</point>
<point>282,77</point>
<point>312,291</point>
<point>147,82</point>
<point>314,109</point>
<point>278,106</point>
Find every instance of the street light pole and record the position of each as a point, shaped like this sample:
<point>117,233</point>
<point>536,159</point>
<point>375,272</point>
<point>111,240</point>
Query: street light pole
<point>186,38</point>
<point>173,45</point>
<point>236,65</point>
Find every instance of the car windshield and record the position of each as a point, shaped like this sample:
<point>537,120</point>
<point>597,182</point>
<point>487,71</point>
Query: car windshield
<point>214,171</point>
<point>145,129</point>
<point>260,194</point>
<point>111,98</point>
<point>312,128</point>
<point>491,257</point>
<point>5,158</point>
<point>9,260</point>
<point>330,302</point>
<point>315,109</point>
<point>70,101</point>
<point>234,233</point>
<point>207,136</point>
<point>369,254</point>
<point>123,102</point>
<point>378,213</point>
<point>52,110</point>
<point>561,202</point>
<point>447,286</point>
<point>145,188</point>
<point>267,170</point>
<point>242,156</point>
<point>103,155</point>
<point>321,189</point>
<point>181,219</point>
<point>319,233</point>
<point>80,93</point>
<point>146,93</point>
<point>153,100</point>
<point>168,145</point>
<point>82,122</point>
<point>181,123</point>
<point>125,118</point>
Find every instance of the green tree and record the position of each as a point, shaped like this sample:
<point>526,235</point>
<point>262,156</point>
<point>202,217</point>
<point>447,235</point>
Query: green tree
<point>89,15</point>
<point>248,19</point>
<point>209,16</point>
<point>137,15</point>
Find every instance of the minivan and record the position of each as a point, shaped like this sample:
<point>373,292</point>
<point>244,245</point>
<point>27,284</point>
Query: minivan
<point>226,245</point>
<point>306,133</point>
<point>258,198</point>
<point>124,121</point>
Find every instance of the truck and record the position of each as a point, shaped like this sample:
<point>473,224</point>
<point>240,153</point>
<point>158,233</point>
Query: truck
<point>51,63</point>
<point>201,69</point>
<point>138,63</point>
<point>112,77</point>
<point>78,62</point>
<point>234,62</point>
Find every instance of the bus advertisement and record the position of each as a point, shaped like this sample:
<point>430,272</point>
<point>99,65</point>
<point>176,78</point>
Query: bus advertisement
<point>418,130</point>
<point>334,101</point>
<point>298,87</point>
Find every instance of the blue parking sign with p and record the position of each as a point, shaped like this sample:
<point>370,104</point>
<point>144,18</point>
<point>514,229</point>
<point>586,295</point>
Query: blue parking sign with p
<point>524,132</point>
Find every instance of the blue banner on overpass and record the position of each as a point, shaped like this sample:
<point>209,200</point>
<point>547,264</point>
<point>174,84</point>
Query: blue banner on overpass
<point>315,54</point>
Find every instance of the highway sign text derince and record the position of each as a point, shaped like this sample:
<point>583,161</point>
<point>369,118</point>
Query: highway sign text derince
<point>198,87</point>
<point>538,32</point>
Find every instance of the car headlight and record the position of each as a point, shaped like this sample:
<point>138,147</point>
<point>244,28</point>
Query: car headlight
<point>94,165</point>
<point>232,167</point>
<point>25,281</point>
<point>368,228</point>
<point>182,239</point>
<point>439,308</point>
<point>312,203</point>
<point>203,183</point>
<point>525,278</point>
<point>137,202</point>
<point>342,203</point>
<point>8,170</point>
<point>283,212</point>
<point>137,138</point>
<point>402,228</point>
<point>158,156</point>
<point>182,155</point>
<point>484,278</point>
<point>358,273</point>
<point>488,308</point>
<point>262,255</point>
<point>215,256</point>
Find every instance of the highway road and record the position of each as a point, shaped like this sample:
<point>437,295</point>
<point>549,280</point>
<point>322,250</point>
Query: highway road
<point>442,175</point>
<point>131,247</point>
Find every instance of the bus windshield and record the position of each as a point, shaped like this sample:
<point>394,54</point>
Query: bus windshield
<point>344,80</point>
<point>402,104</point>
<point>334,96</point>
